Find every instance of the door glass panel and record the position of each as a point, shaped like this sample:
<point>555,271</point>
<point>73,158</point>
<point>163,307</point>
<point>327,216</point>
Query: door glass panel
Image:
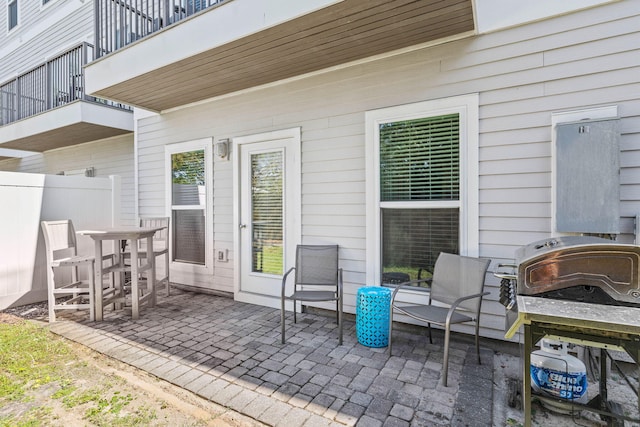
<point>266,212</point>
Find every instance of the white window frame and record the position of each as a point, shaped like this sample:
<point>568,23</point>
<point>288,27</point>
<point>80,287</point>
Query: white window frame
<point>205,144</point>
<point>467,107</point>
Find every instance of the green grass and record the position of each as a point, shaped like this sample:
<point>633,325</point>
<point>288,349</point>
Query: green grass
<point>32,358</point>
<point>28,359</point>
<point>272,259</point>
<point>32,418</point>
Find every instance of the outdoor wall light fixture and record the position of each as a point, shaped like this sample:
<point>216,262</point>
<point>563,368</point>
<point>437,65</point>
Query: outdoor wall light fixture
<point>222,148</point>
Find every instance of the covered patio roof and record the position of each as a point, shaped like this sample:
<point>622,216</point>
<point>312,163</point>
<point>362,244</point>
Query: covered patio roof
<point>246,47</point>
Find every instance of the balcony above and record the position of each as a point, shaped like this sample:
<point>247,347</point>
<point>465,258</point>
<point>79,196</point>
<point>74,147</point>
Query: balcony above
<point>239,44</point>
<point>46,107</point>
<point>72,124</point>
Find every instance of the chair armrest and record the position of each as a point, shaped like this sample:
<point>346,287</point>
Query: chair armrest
<point>340,284</point>
<point>406,285</point>
<point>457,302</point>
<point>109,257</point>
<point>284,279</point>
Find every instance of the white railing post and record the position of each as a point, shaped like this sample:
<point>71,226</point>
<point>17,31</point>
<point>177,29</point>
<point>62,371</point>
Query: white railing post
<point>18,99</point>
<point>48,87</point>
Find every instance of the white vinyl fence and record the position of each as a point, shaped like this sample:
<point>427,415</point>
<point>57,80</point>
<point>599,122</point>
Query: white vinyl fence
<point>25,200</point>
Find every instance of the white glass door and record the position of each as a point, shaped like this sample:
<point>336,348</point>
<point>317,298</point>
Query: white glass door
<point>268,207</point>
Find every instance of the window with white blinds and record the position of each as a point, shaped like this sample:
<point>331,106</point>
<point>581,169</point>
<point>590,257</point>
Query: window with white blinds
<point>419,169</point>
<point>422,186</point>
<point>188,202</point>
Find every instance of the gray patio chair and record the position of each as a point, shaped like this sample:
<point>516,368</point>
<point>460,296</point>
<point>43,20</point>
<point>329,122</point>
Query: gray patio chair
<point>160,247</point>
<point>317,278</point>
<point>62,253</point>
<point>457,284</point>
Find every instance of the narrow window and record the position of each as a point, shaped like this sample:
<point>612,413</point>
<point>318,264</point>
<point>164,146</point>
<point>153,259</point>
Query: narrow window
<point>13,13</point>
<point>188,196</point>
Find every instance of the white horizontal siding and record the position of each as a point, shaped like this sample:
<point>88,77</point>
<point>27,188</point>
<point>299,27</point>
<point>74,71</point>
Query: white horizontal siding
<point>42,33</point>
<point>523,75</point>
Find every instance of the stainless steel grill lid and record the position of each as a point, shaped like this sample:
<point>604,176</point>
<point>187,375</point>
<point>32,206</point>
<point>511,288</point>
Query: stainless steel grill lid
<point>580,268</point>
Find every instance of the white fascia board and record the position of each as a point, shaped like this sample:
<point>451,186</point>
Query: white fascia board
<point>76,112</point>
<point>106,116</point>
<point>19,154</point>
<point>208,30</point>
<point>494,15</point>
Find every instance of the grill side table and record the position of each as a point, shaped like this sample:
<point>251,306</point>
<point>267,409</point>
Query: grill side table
<point>593,325</point>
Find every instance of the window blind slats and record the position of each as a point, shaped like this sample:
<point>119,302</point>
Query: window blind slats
<point>419,159</point>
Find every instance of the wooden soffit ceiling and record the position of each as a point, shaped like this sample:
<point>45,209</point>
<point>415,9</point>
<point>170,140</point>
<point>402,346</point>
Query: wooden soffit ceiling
<point>66,136</point>
<point>347,31</point>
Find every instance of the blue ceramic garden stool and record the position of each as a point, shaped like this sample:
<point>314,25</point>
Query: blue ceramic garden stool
<point>372,316</point>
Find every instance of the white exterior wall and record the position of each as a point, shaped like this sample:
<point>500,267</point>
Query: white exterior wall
<point>522,75</point>
<point>42,33</point>
<point>31,198</point>
<point>111,156</point>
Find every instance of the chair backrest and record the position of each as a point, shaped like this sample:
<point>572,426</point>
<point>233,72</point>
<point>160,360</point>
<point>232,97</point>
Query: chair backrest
<point>59,236</point>
<point>317,265</point>
<point>456,276</point>
<point>161,237</point>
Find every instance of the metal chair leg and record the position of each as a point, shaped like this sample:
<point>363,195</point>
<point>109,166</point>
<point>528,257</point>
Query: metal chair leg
<point>390,330</point>
<point>340,322</point>
<point>445,364</point>
<point>478,342</point>
<point>282,320</point>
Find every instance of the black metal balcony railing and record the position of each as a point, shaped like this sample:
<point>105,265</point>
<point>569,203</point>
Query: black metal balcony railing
<point>57,82</point>
<point>121,22</point>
